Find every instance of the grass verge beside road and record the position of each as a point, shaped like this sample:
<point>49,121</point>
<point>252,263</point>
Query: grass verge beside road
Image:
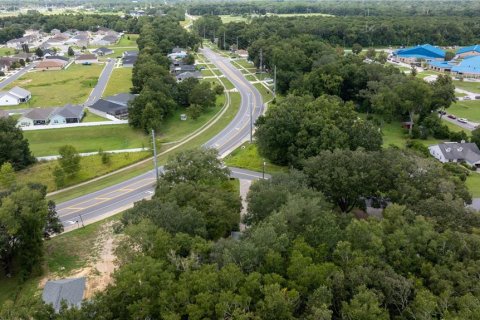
<point>85,139</point>
<point>473,184</point>
<point>468,86</point>
<point>466,109</point>
<point>90,167</point>
<point>247,157</point>
<point>57,88</point>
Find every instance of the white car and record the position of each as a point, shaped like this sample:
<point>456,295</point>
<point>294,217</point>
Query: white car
<point>467,98</point>
<point>462,120</point>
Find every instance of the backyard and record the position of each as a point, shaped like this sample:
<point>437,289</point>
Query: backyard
<point>57,88</point>
<point>120,82</point>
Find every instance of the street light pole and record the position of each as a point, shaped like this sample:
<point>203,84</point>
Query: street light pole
<point>83,226</point>
<point>263,171</point>
<point>155,154</point>
<point>251,115</point>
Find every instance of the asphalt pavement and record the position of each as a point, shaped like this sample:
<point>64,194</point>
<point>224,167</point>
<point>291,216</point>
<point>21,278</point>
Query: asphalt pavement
<point>114,199</point>
<point>16,75</point>
<point>97,92</point>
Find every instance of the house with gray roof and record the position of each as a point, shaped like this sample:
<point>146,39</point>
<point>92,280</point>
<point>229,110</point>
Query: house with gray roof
<point>129,60</point>
<point>14,96</point>
<point>102,51</point>
<point>70,291</point>
<point>176,70</point>
<point>67,114</point>
<point>456,152</point>
<point>36,117</point>
<point>116,105</point>
<point>186,75</point>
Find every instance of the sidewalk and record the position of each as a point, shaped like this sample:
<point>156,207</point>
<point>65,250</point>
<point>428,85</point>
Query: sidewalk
<point>86,154</point>
<point>73,125</point>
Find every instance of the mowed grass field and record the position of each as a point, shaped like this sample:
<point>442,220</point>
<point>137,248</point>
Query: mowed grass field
<point>466,109</point>
<point>85,139</point>
<point>128,40</point>
<point>120,82</point>
<point>57,88</point>
<point>468,86</point>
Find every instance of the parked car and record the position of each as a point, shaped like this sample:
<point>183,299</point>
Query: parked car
<point>462,120</point>
<point>467,98</point>
<point>477,97</point>
<point>451,116</point>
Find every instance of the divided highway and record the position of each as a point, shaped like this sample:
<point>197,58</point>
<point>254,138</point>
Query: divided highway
<point>114,199</point>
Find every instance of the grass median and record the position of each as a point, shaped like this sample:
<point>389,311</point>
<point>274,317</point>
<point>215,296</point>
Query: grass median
<point>119,82</point>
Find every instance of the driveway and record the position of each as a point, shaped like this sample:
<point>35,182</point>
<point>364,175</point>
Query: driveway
<point>16,75</point>
<point>97,92</point>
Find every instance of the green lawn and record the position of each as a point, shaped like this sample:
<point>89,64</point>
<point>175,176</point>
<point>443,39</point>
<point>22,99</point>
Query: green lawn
<point>91,167</point>
<point>456,128</point>
<point>247,157</point>
<point>468,86</point>
<point>466,109</point>
<point>207,73</point>
<point>57,88</point>
<point>222,122</point>
<point>266,94</point>
<point>120,81</point>
<point>6,52</point>
<point>85,139</point>
<point>92,117</point>
<point>175,129</point>
<point>126,42</point>
<point>473,184</point>
<point>231,18</point>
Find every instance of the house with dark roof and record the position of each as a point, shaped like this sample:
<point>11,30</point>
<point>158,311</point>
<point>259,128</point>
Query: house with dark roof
<point>36,117</point>
<point>130,53</point>
<point>456,152</point>
<point>129,61</point>
<point>86,59</point>
<point>67,114</point>
<point>186,75</point>
<point>116,105</point>
<point>55,57</point>
<point>176,70</point>
<point>102,51</point>
<point>424,52</point>
<point>70,291</point>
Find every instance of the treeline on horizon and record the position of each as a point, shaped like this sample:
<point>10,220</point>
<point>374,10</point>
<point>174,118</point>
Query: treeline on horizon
<point>339,8</point>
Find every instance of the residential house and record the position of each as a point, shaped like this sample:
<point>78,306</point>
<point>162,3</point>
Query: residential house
<point>178,50</point>
<point>6,63</point>
<point>51,64</point>
<point>19,42</point>
<point>456,152</point>
<point>129,58</point>
<point>70,291</point>
<point>242,53</point>
<point>102,51</point>
<point>186,75</point>
<point>35,117</point>
<point>24,56</point>
<point>116,105</point>
<point>177,55</point>
<point>57,40</point>
<point>424,52</point>
<point>55,31</point>
<point>56,57</point>
<point>176,70</point>
<point>21,94</point>
<point>67,114</point>
<point>86,59</point>
<point>14,97</point>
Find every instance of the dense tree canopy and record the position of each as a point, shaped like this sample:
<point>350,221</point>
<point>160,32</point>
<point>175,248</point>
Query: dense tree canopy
<point>14,147</point>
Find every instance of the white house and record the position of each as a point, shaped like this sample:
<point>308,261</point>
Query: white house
<point>456,152</point>
<point>36,116</point>
<point>14,97</point>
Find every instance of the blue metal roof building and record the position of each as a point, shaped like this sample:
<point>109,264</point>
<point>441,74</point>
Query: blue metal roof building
<point>474,48</point>
<point>423,52</point>
<point>468,67</point>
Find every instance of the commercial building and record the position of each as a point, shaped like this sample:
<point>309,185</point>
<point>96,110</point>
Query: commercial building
<point>468,68</point>
<point>424,52</point>
<point>468,52</point>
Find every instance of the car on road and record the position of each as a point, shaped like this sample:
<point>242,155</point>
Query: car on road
<point>451,116</point>
<point>462,120</point>
<point>467,98</point>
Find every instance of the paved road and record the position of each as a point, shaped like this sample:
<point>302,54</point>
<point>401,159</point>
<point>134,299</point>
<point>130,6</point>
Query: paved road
<point>468,126</point>
<point>97,92</point>
<point>97,205</point>
<point>17,75</point>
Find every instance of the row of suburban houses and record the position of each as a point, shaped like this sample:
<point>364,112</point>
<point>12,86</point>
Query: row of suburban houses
<point>59,115</point>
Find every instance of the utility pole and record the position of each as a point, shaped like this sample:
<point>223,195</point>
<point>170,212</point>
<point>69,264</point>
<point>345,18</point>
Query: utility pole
<point>204,32</point>
<point>237,43</point>
<point>251,115</point>
<point>155,154</point>
<point>274,81</point>
<point>224,45</point>
<point>261,60</point>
